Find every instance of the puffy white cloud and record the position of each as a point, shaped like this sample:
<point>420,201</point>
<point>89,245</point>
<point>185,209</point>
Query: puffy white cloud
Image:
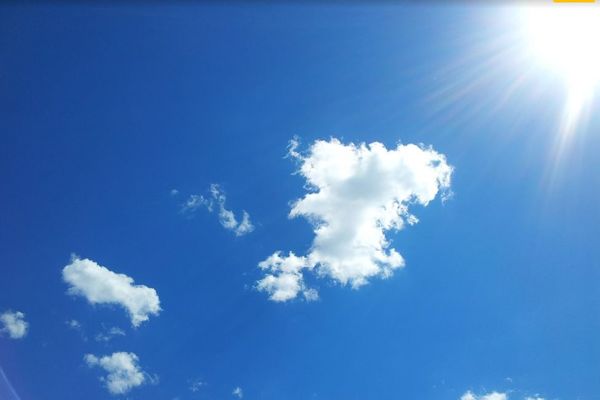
<point>284,279</point>
<point>123,372</point>
<point>356,194</point>
<point>238,392</point>
<point>14,324</point>
<point>99,285</point>
<point>489,396</point>
<point>217,201</point>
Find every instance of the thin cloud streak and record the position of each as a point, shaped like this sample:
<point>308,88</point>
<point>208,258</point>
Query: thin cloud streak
<point>6,387</point>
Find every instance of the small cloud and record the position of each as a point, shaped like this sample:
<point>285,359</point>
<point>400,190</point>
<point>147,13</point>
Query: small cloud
<point>76,326</point>
<point>217,200</point>
<point>73,324</point>
<point>99,285</point>
<point>489,396</point>
<point>14,324</point>
<point>311,294</point>
<point>287,282</point>
<point>196,385</point>
<point>174,192</point>
<point>123,371</point>
<point>238,392</point>
<point>109,334</point>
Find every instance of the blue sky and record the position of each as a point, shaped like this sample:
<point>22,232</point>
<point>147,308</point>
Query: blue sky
<point>106,109</point>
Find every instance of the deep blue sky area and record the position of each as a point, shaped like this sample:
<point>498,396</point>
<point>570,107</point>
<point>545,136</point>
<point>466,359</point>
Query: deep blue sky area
<point>106,108</point>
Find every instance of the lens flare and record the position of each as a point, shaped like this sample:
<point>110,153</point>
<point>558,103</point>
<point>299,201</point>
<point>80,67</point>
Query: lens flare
<point>566,40</point>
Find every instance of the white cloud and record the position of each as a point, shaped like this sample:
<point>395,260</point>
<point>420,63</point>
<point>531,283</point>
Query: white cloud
<point>489,396</point>
<point>238,392</point>
<point>123,371</point>
<point>77,326</point>
<point>109,334</point>
<point>74,324</point>
<point>99,285</point>
<point>245,226</point>
<point>356,194</point>
<point>534,398</point>
<point>14,324</point>
<point>468,396</point>
<point>286,279</point>
<point>196,201</point>
<point>196,385</point>
<point>217,200</point>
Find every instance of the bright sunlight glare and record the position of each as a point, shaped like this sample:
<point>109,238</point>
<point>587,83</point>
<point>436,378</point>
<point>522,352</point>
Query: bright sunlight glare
<point>566,40</point>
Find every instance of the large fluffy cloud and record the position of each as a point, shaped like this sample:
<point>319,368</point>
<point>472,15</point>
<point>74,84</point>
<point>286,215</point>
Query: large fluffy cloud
<point>14,324</point>
<point>99,285</point>
<point>356,194</point>
<point>227,218</point>
<point>123,372</point>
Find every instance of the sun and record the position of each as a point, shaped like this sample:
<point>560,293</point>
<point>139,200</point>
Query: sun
<point>565,39</point>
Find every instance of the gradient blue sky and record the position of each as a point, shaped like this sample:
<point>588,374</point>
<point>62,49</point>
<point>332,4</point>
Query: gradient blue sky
<point>104,109</point>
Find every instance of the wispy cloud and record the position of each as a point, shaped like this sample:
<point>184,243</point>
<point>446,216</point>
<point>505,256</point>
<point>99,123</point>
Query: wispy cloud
<point>356,194</point>
<point>77,326</point>
<point>7,391</point>
<point>109,334</point>
<point>469,395</point>
<point>73,324</point>
<point>238,392</point>
<point>216,202</point>
<point>196,385</point>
